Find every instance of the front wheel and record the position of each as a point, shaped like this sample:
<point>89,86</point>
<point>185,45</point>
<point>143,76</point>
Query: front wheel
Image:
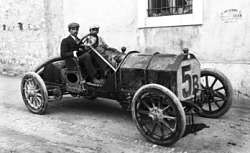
<point>34,93</point>
<point>158,114</point>
<point>216,94</point>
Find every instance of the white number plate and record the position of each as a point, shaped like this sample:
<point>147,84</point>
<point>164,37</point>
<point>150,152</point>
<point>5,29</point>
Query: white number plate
<point>188,79</point>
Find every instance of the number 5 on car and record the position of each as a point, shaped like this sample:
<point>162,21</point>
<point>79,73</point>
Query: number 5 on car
<point>188,79</point>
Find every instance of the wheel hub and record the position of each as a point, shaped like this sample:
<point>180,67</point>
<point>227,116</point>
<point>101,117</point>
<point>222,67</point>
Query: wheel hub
<point>156,114</point>
<point>31,92</point>
<point>209,94</point>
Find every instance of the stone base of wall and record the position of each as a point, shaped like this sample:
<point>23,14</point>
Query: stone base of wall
<point>241,100</point>
<point>237,73</point>
<point>12,70</point>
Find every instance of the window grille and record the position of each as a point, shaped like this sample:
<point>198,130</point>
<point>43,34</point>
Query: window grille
<point>169,7</point>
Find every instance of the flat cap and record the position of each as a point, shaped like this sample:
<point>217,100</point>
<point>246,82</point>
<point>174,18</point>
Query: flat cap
<point>73,25</point>
<point>95,26</point>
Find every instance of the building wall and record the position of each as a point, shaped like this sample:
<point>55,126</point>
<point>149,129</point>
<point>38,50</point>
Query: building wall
<point>220,42</point>
<point>54,26</point>
<point>29,33</point>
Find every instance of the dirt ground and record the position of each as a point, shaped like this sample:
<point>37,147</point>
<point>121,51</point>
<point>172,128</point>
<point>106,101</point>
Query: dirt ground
<point>100,126</point>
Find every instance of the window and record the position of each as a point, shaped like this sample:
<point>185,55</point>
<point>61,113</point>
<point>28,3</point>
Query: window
<point>169,7</point>
<point>159,13</point>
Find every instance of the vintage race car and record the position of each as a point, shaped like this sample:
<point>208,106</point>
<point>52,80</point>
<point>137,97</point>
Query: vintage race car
<point>158,89</point>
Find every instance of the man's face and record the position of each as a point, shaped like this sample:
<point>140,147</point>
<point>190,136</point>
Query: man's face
<point>74,31</point>
<point>94,31</point>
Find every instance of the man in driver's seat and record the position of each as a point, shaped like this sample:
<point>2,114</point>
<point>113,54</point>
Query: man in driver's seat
<point>70,49</point>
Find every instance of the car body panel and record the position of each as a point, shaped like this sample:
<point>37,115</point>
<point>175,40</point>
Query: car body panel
<point>165,69</point>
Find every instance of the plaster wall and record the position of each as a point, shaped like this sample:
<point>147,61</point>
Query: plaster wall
<point>19,47</point>
<point>29,33</point>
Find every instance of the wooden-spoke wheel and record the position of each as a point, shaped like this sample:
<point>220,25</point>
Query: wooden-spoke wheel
<point>158,114</point>
<point>216,94</point>
<point>34,93</point>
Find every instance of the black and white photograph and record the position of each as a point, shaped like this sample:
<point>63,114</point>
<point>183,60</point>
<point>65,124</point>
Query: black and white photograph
<point>124,76</point>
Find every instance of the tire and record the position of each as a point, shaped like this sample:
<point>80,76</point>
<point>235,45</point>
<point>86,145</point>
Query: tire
<point>34,93</point>
<point>155,110</point>
<point>217,92</point>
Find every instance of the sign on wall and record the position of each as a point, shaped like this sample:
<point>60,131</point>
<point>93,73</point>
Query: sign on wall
<point>231,15</point>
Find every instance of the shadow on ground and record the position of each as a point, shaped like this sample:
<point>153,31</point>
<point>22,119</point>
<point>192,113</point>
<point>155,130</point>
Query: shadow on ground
<point>107,107</point>
<point>194,128</point>
<point>83,106</point>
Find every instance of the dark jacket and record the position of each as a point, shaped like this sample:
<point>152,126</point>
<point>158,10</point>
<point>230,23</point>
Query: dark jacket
<point>68,45</point>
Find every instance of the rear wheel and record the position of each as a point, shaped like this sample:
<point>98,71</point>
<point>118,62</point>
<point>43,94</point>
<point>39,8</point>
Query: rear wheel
<point>158,114</point>
<point>216,95</point>
<point>34,93</point>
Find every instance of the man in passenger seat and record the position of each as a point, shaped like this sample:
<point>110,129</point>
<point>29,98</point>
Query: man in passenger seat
<point>102,47</point>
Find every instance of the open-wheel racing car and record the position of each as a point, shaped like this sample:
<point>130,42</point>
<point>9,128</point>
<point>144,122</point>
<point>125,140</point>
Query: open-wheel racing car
<point>158,89</point>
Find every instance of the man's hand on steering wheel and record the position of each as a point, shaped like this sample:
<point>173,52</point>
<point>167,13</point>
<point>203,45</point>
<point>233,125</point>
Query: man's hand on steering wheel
<point>87,40</point>
<point>81,41</point>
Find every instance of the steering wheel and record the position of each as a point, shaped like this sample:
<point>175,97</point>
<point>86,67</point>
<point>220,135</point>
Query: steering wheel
<point>88,40</point>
